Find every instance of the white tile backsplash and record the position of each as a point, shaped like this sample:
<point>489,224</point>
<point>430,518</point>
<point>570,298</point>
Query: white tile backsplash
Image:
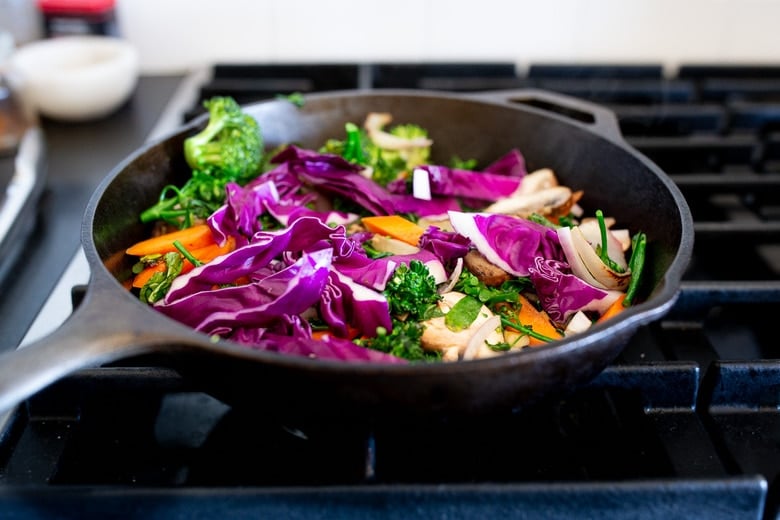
<point>178,35</point>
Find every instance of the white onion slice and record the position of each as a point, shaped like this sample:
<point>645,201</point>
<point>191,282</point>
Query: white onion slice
<point>477,341</point>
<point>421,184</point>
<point>453,277</point>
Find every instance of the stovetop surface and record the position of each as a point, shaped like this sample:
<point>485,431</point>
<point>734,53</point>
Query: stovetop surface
<point>684,424</point>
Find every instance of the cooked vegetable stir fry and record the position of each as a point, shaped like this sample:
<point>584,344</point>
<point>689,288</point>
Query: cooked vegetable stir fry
<point>364,250</point>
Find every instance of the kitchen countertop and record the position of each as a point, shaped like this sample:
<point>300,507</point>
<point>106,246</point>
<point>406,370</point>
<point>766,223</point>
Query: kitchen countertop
<point>78,157</point>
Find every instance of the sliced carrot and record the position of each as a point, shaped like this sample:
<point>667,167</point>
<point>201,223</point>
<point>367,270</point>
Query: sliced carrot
<point>395,226</point>
<point>538,320</point>
<point>141,278</point>
<point>204,254</point>
<point>613,310</point>
<point>191,238</point>
<point>352,333</point>
<point>208,253</point>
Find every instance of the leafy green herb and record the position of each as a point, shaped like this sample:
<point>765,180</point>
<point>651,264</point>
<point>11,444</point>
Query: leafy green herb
<point>296,98</point>
<point>499,347</point>
<point>462,164</point>
<point>507,292</point>
<point>403,341</point>
<point>373,252</point>
<point>567,221</point>
<point>386,165</point>
<point>463,313</point>
<point>146,261</point>
<point>159,283</point>
<point>411,291</point>
<point>541,219</point>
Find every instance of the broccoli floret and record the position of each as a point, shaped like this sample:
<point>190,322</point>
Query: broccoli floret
<point>413,156</point>
<point>411,292</point>
<point>386,165</point>
<point>230,145</point>
<point>228,149</point>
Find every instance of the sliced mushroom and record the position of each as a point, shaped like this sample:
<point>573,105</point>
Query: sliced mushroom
<point>487,272</point>
<point>442,223</point>
<point>438,337</point>
<point>450,354</point>
<point>393,245</point>
<point>544,202</point>
<point>537,181</point>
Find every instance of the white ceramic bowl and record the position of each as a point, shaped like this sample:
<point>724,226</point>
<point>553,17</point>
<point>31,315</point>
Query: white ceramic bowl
<point>74,78</point>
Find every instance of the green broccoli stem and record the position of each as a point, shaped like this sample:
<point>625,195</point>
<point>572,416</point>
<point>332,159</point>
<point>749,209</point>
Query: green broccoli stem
<point>194,143</point>
<point>161,210</point>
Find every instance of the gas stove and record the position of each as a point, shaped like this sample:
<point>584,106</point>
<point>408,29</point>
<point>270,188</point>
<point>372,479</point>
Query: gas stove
<point>685,423</point>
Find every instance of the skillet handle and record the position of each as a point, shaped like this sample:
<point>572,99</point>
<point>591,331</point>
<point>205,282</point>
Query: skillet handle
<point>88,338</point>
<point>597,117</point>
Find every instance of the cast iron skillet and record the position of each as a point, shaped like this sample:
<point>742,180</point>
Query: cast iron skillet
<point>580,141</point>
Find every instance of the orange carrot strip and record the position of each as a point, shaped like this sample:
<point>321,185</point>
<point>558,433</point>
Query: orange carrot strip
<point>537,320</point>
<point>394,226</point>
<point>204,254</point>
<point>191,238</point>
<point>141,278</point>
<point>352,333</point>
<point>613,310</point>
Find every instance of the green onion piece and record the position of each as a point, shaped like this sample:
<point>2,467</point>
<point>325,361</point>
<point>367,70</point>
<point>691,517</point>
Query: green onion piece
<point>186,254</point>
<point>528,331</point>
<point>603,252</point>
<point>636,263</point>
<point>541,219</point>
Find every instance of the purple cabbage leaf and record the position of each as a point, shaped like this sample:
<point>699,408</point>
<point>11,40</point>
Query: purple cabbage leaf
<point>562,294</point>
<point>292,336</point>
<point>509,242</point>
<point>446,245</point>
<point>291,290</point>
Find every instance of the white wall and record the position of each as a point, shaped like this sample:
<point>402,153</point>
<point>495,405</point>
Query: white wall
<point>177,35</point>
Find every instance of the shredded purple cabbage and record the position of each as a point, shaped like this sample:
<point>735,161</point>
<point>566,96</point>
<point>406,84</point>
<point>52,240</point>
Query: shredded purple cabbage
<point>255,295</point>
<point>345,303</point>
<point>332,174</point>
<point>453,182</point>
<point>305,265</point>
<point>292,335</point>
<point>240,215</point>
<point>291,290</point>
<point>446,245</point>
<point>511,164</point>
<point>561,293</point>
<point>511,243</point>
